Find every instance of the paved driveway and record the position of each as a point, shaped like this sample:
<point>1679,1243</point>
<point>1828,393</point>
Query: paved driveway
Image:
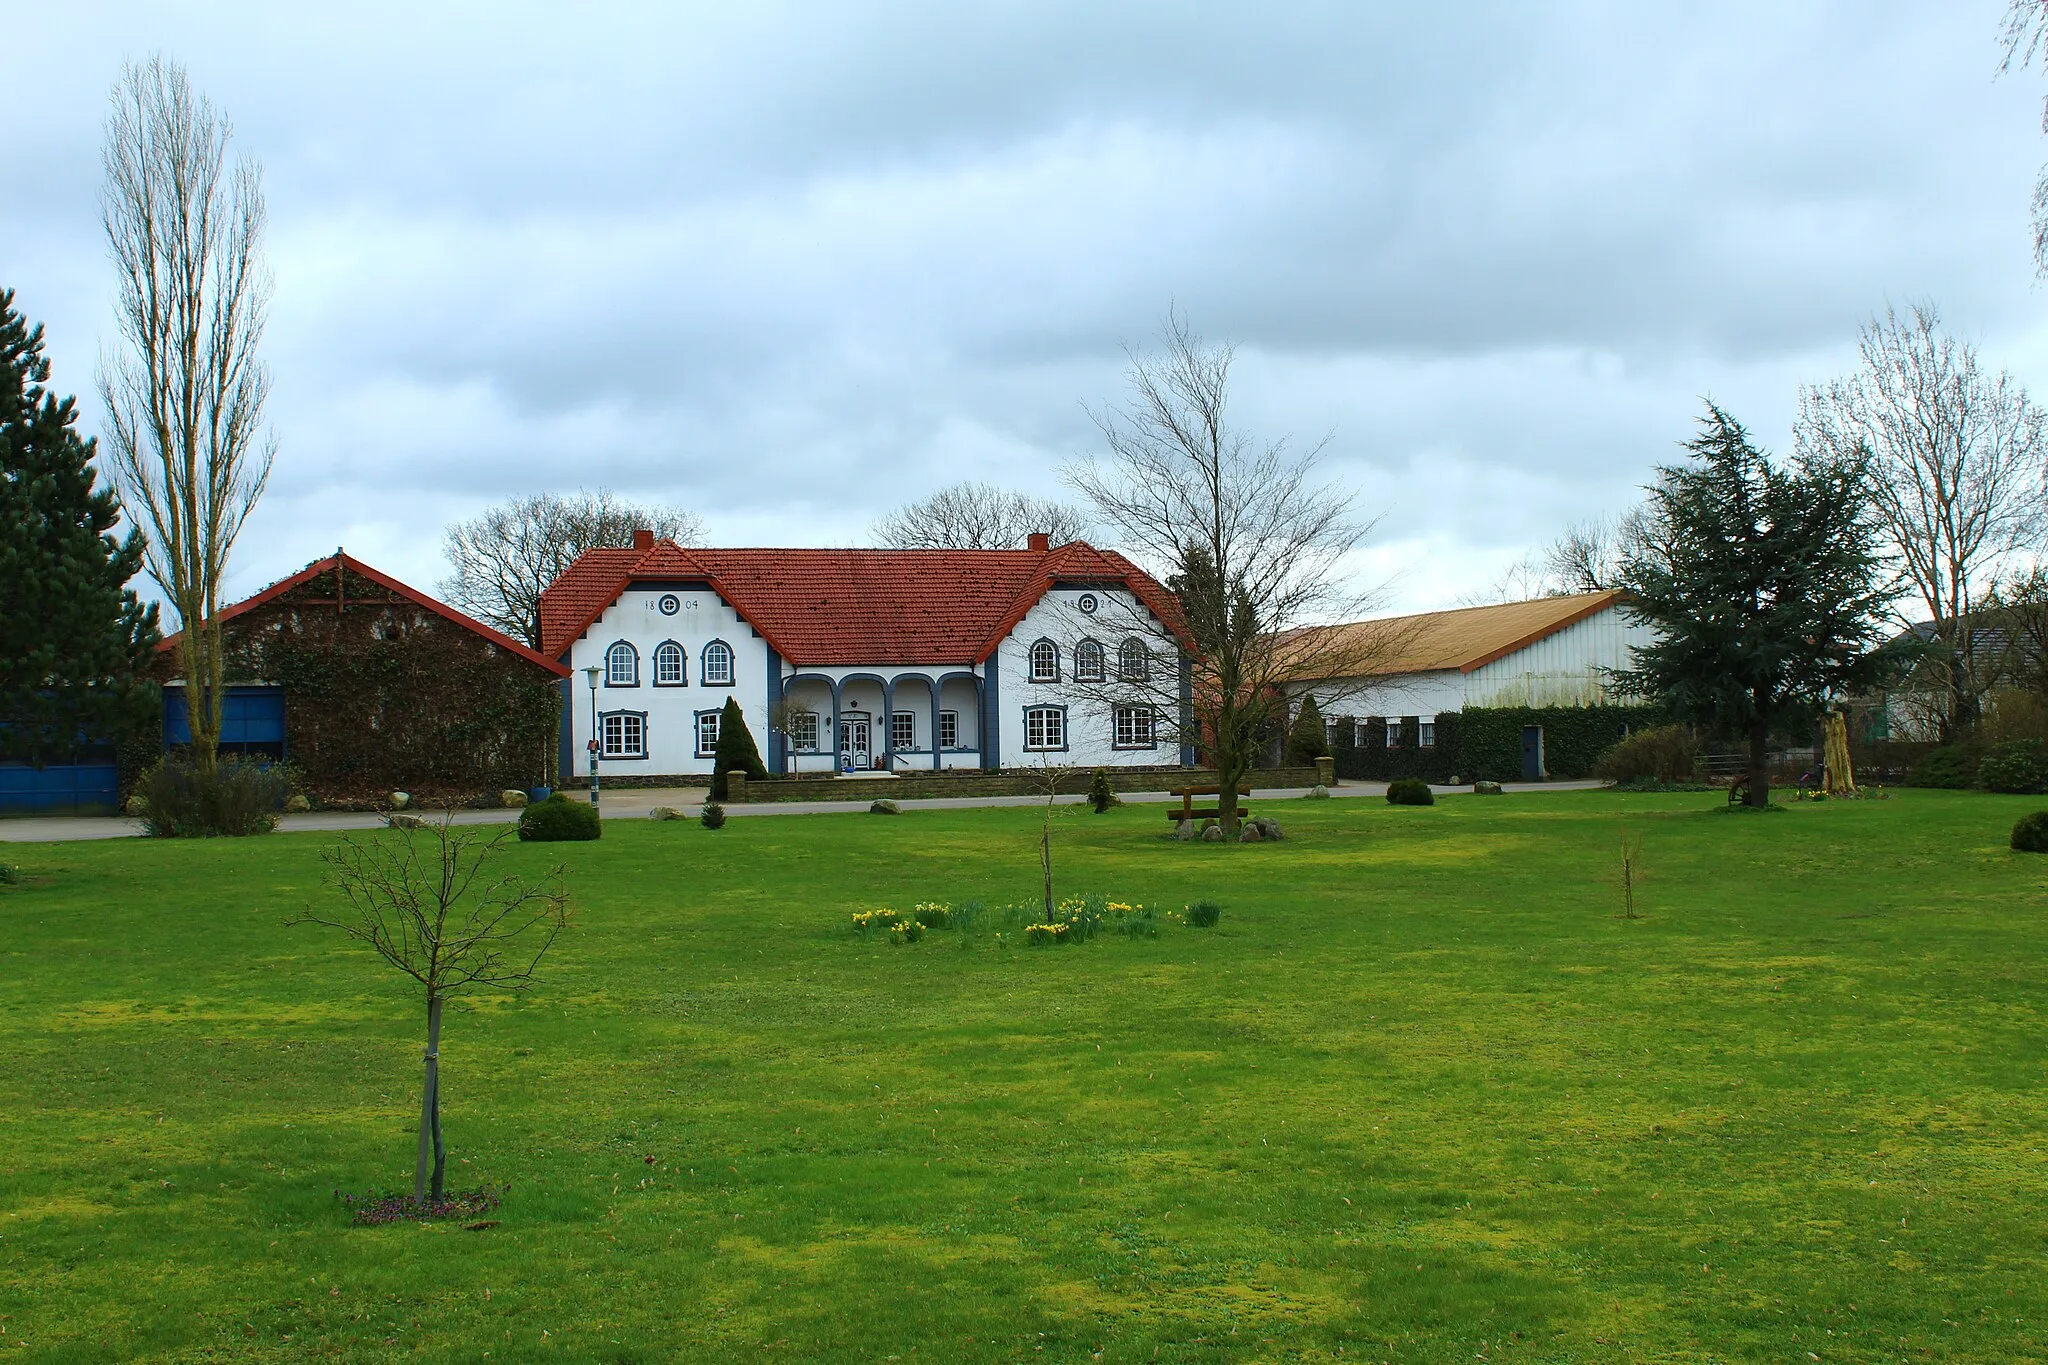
<point>625,803</point>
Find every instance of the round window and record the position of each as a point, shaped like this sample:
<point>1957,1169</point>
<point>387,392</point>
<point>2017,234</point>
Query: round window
<point>1086,602</point>
<point>670,604</point>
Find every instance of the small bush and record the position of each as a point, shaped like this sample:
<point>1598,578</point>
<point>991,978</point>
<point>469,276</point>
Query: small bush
<point>1204,914</point>
<point>2030,835</point>
<point>243,797</point>
<point>2018,767</point>
<point>1410,791</point>
<point>559,820</point>
<point>1666,754</point>
<point>712,816</point>
<point>1101,794</point>
<point>1952,767</point>
<point>10,875</point>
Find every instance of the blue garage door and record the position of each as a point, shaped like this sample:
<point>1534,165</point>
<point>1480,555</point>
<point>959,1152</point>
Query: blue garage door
<point>67,789</point>
<point>251,720</point>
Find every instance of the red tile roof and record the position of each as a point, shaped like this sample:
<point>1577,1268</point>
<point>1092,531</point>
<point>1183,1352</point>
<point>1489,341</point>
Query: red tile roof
<point>356,566</point>
<point>825,608</point>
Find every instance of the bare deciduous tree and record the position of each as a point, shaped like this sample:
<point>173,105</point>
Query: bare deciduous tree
<point>1252,548</point>
<point>1526,578</point>
<point>978,516</point>
<point>2025,37</point>
<point>1589,555</point>
<point>419,896</point>
<point>1957,456</point>
<point>185,391</point>
<point>505,558</point>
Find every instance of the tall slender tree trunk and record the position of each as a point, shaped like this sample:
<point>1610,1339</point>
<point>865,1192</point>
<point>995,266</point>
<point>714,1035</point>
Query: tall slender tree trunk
<point>1045,853</point>
<point>1759,765</point>
<point>430,1109</point>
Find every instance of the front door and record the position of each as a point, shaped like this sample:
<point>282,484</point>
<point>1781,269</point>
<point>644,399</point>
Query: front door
<point>1532,754</point>
<point>855,743</point>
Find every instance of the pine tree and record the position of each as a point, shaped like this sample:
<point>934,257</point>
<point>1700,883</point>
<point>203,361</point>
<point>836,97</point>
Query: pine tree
<point>1308,739</point>
<point>736,750</point>
<point>75,642</point>
<point>1765,587</point>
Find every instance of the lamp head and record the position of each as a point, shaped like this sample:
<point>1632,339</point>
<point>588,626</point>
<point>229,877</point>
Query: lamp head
<point>591,673</point>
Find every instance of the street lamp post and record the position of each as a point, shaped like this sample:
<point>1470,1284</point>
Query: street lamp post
<point>591,673</point>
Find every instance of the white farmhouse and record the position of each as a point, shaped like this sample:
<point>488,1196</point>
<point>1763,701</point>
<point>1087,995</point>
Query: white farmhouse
<point>864,660</point>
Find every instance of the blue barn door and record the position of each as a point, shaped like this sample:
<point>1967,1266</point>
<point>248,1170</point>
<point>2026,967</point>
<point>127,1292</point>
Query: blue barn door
<point>1532,753</point>
<point>251,721</point>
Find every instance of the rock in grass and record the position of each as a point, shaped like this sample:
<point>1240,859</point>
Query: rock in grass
<point>1184,830</point>
<point>1250,834</point>
<point>1212,834</point>
<point>1268,828</point>
<point>512,798</point>
<point>664,813</point>
<point>885,807</point>
<point>1317,793</point>
<point>1486,789</point>
<point>399,820</point>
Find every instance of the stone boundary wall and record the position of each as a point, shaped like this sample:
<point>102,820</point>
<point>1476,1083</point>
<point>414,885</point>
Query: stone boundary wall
<point>1010,782</point>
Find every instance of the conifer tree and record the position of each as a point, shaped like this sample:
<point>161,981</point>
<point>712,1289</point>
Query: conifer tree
<point>75,642</point>
<point>1308,739</point>
<point>736,750</point>
<point>1764,584</point>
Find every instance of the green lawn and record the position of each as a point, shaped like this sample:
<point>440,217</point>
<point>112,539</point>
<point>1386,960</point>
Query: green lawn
<point>1422,1096</point>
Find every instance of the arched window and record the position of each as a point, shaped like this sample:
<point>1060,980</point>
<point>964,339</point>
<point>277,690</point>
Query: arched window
<point>668,664</point>
<point>1088,661</point>
<point>1134,661</point>
<point>1045,662</point>
<point>621,665</point>
<point>717,668</point>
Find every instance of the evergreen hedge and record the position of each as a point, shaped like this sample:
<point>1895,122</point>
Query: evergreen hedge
<point>1485,742</point>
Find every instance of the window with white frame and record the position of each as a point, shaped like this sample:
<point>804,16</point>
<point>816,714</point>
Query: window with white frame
<point>1359,732</point>
<point>1134,661</point>
<point>668,664</point>
<point>707,734</point>
<point>1332,728</point>
<point>1426,736</point>
<point>717,669</point>
<point>1045,727</point>
<point>803,731</point>
<point>621,665</point>
<point>903,729</point>
<point>949,729</point>
<point>1045,662</point>
<point>1393,732</point>
<point>625,734</point>
<point>1088,661</point>
<point>1137,727</point>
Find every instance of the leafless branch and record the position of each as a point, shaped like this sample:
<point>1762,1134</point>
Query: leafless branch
<point>978,516</point>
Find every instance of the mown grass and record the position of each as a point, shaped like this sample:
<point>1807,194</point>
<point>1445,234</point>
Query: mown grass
<point>1421,1096</point>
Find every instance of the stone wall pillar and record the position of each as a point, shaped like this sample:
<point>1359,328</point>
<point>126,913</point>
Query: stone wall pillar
<point>1326,771</point>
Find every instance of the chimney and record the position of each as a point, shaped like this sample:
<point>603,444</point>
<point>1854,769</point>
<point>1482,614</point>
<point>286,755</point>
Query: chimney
<point>1039,541</point>
<point>643,540</point>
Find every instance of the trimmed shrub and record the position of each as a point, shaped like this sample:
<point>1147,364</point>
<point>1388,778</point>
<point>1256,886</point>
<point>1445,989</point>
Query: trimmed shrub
<point>2018,767</point>
<point>1101,794</point>
<point>1308,739</point>
<point>1952,767</point>
<point>2030,835</point>
<point>736,750</point>
<point>1410,791</point>
<point>1665,753</point>
<point>712,816</point>
<point>558,820</point>
<point>243,797</point>
<point>1204,914</point>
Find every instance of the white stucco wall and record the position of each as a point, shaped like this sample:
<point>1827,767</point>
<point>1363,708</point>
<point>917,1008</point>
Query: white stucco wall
<point>1090,720</point>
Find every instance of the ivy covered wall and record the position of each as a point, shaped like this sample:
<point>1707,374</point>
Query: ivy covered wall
<point>381,693</point>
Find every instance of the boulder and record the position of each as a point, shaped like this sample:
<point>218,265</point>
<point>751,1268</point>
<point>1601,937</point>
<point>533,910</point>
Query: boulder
<point>1184,830</point>
<point>1456,781</point>
<point>1212,834</point>
<point>1486,789</point>
<point>885,807</point>
<point>512,798</point>
<point>400,800</point>
<point>1268,829</point>
<point>400,821</point>
<point>664,813</point>
<point>297,805</point>
<point>1250,834</point>
<point>1317,793</point>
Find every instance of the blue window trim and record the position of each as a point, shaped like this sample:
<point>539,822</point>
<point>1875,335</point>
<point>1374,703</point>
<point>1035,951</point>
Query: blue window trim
<point>1131,748</point>
<point>1101,673</point>
<point>608,757</point>
<point>697,731</point>
<point>627,645</point>
<point>1066,732</point>
<point>654,665</point>
<point>1144,653</point>
<point>732,665</point>
<point>1031,662</point>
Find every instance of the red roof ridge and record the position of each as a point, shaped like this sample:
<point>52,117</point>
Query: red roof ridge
<point>356,566</point>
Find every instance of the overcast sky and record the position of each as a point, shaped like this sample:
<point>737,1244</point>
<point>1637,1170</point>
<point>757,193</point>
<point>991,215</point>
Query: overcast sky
<point>792,266</point>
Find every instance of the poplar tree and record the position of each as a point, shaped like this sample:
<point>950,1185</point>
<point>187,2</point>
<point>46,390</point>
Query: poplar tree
<point>1765,586</point>
<point>74,640</point>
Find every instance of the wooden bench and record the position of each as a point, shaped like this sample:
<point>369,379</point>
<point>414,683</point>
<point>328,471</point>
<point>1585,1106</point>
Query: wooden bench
<point>1190,811</point>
